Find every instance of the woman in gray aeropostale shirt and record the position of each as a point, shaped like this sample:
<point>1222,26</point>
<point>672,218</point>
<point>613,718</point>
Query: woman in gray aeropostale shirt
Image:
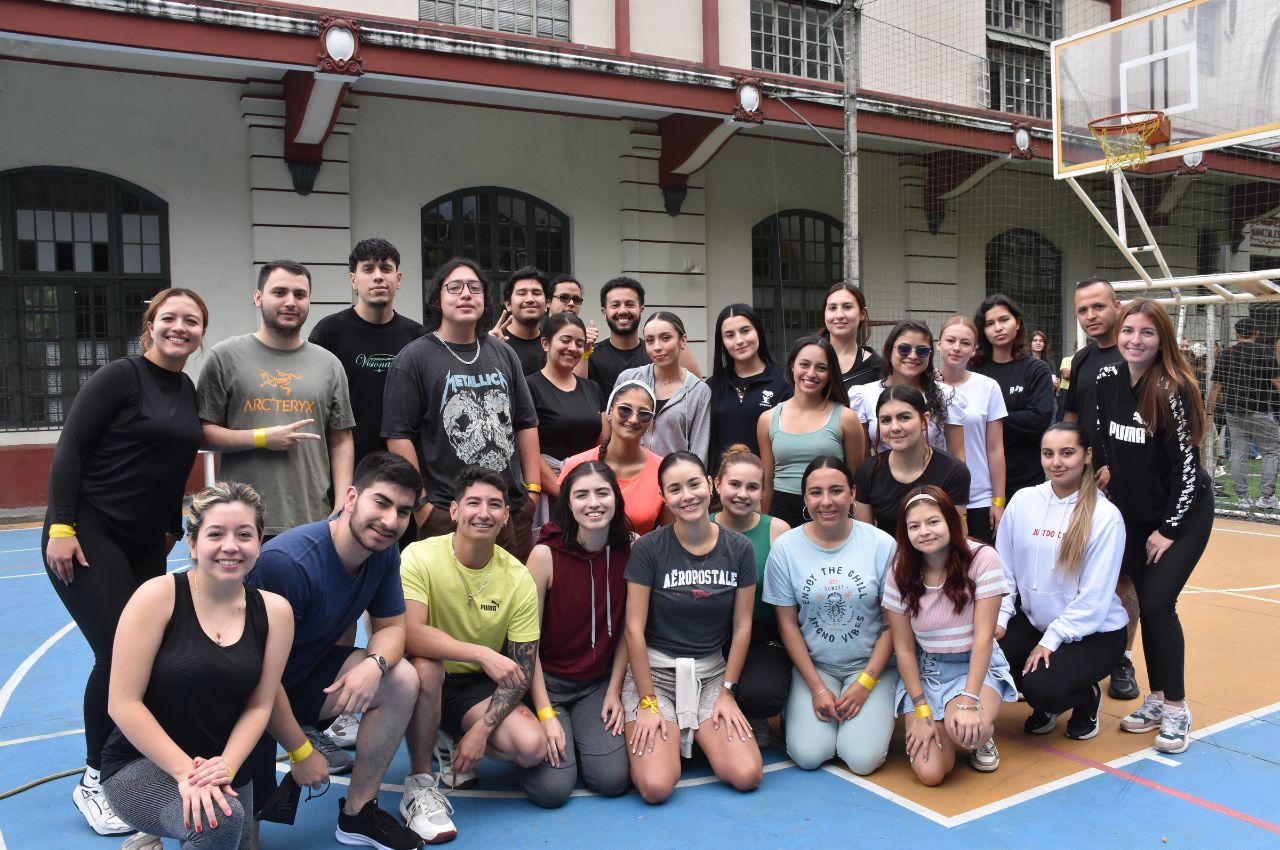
<point>690,587</point>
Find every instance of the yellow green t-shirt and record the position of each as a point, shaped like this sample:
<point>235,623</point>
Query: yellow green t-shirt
<point>505,609</point>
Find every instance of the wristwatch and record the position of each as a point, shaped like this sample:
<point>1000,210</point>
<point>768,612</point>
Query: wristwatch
<point>380,661</point>
<point>731,687</point>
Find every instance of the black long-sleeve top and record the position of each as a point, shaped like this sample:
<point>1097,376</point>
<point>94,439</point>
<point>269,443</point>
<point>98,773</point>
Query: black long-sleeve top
<point>1027,386</point>
<point>126,448</point>
<point>1155,475</point>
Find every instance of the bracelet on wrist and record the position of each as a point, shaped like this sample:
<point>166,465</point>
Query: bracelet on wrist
<point>867,681</point>
<point>650,702</point>
<point>546,713</point>
<point>918,700</point>
<point>259,438</point>
<point>821,692</point>
<point>301,753</point>
<point>532,487</point>
<point>999,501</point>
<point>971,695</point>
<point>61,529</point>
<point>923,711</point>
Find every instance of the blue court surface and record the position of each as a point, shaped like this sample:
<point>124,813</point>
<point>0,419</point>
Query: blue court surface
<point>1050,792</point>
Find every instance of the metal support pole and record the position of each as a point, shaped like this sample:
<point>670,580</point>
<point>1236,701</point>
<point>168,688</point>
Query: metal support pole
<point>851,266</point>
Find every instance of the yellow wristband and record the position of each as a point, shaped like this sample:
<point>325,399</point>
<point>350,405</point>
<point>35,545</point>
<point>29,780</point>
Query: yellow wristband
<point>999,502</point>
<point>923,710</point>
<point>233,773</point>
<point>587,354</point>
<point>61,529</point>
<point>650,703</point>
<point>866,681</point>
<point>259,438</point>
<point>546,713</point>
<point>301,753</point>
<point>532,487</point>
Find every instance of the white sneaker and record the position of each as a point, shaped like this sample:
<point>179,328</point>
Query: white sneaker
<point>142,841</point>
<point>985,758</point>
<point>425,809</point>
<point>1146,717</point>
<point>444,756</point>
<point>95,807</point>
<point>1244,504</point>
<point>1266,503</point>
<point>343,731</point>
<point>1175,730</point>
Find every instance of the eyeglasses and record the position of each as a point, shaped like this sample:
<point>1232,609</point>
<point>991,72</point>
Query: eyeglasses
<point>921,351</point>
<point>454,287</point>
<point>626,411</point>
<point>565,298</point>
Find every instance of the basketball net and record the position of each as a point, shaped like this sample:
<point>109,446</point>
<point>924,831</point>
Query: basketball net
<point>1126,137</point>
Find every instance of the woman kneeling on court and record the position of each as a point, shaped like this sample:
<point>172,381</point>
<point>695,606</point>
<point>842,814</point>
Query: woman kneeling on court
<point>826,580</point>
<point>1062,544</point>
<point>942,600</point>
<point>690,590</point>
<point>205,653</point>
<point>577,677</point>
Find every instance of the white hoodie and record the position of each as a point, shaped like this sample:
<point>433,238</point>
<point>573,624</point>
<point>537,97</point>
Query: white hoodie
<point>1064,609</point>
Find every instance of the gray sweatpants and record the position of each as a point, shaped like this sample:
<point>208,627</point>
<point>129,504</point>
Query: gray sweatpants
<point>601,757</point>
<point>1247,429</point>
<point>147,798</point>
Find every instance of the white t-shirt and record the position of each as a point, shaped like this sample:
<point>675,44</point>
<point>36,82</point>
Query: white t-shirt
<point>981,401</point>
<point>863,398</point>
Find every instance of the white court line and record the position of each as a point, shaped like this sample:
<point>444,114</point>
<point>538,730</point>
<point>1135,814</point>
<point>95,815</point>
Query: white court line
<point>1193,589</point>
<point>1164,760</point>
<point>1242,531</point>
<point>1234,593</point>
<point>1040,790</point>
<point>22,575</point>
<point>12,741</point>
<point>16,678</point>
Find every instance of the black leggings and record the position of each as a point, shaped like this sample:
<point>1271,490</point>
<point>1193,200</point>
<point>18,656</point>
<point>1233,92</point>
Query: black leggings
<point>766,674</point>
<point>1073,669</point>
<point>788,507</point>
<point>96,596</point>
<point>1158,586</point>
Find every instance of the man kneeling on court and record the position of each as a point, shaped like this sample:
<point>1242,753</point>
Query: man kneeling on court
<point>472,618</point>
<point>331,572</point>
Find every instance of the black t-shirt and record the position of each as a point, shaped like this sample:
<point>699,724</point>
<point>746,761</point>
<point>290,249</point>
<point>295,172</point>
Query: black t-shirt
<point>366,351</point>
<point>608,362</point>
<point>1082,396</point>
<point>1027,386</point>
<point>568,422</point>
<point>736,407</point>
<point>869,367</point>
<point>532,357</point>
<point>1246,371</point>
<point>877,487</point>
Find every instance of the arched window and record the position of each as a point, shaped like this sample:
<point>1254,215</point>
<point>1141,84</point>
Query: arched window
<point>81,254</point>
<point>500,229</point>
<point>795,257</point>
<point>1028,268</point>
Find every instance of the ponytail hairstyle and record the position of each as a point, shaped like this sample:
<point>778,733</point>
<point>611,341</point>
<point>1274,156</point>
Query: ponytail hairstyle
<point>679,457</point>
<point>1076,539</point>
<point>740,453</point>
<point>668,317</point>
<point>1168,393</point>
<point>937,402</point>
<point>158,300</point>
<point>224,493</point>
<point>852,289</point>
<point>908,569</point>
<point>619,526</point>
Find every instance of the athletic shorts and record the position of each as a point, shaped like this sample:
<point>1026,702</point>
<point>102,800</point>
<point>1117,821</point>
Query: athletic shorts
<point>461,693</point>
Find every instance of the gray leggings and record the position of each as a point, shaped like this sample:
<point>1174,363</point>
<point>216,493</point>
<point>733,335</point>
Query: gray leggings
<point>588,745</point>
<point>147,798</point>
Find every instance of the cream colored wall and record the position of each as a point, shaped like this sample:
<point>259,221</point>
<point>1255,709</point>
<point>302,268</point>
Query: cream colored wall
<point>407,9</point>
<point>591,22</point>
<point>571,164</point>
<point>735,33</point>
<point>932,51</point>
<point>671,28</point>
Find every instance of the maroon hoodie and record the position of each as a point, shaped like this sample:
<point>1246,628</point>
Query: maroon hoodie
<point>582,620</point>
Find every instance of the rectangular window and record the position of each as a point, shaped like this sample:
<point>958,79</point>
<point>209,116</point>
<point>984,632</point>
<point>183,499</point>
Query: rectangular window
<point>541,18</point>
<point>1038,19</point>
<point>1018,80</point>
<point>798,38</point>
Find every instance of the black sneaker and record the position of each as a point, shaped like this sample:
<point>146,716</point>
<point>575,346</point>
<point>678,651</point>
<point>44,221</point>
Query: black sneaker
<point>1124,682</point>
<point>1040,722</point>
<point>1084,718</point>
<point>373,827</point>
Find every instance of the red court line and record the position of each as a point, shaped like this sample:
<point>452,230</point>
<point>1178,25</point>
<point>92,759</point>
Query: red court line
<point>1154,786</point>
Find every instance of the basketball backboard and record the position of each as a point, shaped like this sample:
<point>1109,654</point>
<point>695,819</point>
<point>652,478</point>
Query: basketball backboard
<point>1211,66</point>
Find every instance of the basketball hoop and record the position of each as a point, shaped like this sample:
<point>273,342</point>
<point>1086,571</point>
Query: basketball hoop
<point>1127,137</point>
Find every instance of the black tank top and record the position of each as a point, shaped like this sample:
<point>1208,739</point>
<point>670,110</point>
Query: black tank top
<point>197,689</point>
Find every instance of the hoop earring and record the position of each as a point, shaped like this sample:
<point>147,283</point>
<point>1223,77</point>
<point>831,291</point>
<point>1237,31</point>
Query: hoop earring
<point>804,514</point>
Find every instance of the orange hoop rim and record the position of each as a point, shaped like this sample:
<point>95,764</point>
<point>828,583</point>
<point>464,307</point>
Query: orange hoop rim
<point>1143,122</point>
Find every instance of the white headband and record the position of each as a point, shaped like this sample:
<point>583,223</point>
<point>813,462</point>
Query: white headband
<point>917,497</point>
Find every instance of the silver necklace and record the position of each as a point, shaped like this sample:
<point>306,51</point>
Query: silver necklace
<point>466,588</point>
<point>217,634</point>
<point>455,354</point>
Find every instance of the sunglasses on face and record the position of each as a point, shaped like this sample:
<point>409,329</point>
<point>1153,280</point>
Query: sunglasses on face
<point>565,298</point>
<point>454,287</point>
<point>626,411</point>
<point>921,351</point>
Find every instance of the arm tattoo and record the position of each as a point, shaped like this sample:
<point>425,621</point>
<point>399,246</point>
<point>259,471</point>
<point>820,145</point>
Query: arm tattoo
<point>506,699</point>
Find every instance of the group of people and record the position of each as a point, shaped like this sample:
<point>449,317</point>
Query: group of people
<point>577,555</point>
